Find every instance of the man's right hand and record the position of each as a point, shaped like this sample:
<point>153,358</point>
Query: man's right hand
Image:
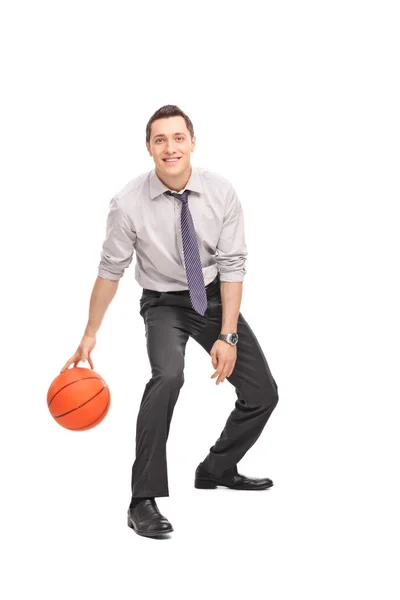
<point>86,346</point>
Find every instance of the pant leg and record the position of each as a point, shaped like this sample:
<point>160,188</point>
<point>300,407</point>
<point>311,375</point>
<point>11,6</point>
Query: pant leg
<point>256,390</point>
<point>166,344</point>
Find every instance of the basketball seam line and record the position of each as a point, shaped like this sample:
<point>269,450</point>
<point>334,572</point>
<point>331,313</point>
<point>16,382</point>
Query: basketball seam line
<point>71,382</point>
<point>80,406</point>
<point>106,408</point>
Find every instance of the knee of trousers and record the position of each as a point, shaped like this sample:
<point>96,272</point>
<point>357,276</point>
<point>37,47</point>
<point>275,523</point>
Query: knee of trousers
<point>173,378</point>
<point>265,395</point>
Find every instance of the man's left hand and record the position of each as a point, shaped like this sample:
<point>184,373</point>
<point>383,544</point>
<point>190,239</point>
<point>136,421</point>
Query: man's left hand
<point>223,356</point>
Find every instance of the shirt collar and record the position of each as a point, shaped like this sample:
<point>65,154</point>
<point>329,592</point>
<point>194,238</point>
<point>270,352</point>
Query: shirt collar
<point>157,187</point>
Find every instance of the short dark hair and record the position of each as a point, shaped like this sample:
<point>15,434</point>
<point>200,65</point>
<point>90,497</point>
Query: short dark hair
<point>169,110</point>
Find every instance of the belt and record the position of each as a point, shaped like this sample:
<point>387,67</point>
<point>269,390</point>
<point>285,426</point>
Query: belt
<point>186,292</point>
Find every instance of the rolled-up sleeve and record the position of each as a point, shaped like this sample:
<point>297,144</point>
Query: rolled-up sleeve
<point>119,244</point>
<point>231,249</point>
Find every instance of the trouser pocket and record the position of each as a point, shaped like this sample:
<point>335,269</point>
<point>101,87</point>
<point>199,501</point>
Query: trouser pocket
<point>149,298</point>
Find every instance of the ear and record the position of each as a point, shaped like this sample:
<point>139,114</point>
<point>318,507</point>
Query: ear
<point>193,143</point>
<point>148,148</point>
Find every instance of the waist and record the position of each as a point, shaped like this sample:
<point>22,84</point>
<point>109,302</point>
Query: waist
<point>210,287</point>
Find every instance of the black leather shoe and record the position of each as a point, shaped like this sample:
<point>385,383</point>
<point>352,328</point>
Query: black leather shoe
<point>146,519</point>
<point>231,479</point>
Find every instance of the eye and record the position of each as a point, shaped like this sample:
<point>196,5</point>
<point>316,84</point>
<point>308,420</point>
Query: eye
<point>180,137</point>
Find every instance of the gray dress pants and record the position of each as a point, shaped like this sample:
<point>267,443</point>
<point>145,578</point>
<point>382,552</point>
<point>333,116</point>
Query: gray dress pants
<point>169,321</point>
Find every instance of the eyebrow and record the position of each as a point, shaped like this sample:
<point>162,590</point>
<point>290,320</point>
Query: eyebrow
<point>163,134</point>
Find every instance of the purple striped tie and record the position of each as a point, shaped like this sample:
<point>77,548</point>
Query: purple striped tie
<point>194,271</point>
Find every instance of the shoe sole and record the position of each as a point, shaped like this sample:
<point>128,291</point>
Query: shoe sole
<point>150,534</point>
<point>209,485</point>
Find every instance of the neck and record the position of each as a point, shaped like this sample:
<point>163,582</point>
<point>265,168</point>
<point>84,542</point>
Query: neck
<point>178,182</point>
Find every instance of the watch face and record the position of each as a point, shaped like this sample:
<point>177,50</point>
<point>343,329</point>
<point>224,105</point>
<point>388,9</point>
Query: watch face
<point>234,338</point>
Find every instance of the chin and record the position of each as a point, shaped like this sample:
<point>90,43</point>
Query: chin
<point>176,171</point>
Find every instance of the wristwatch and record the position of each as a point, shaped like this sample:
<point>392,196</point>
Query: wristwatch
<point>231,338</point>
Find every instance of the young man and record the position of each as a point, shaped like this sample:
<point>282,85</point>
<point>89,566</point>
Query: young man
<point>186,226</point>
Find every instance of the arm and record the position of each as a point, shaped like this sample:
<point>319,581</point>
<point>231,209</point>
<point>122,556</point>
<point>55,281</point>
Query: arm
<point>223,355</point>
<point>231,258</point>
<point>119,244</point>
<point>231,297</point>
<point>116,256</point>
<point>103,292</point>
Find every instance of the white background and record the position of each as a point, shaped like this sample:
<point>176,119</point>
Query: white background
<point>297,104</point>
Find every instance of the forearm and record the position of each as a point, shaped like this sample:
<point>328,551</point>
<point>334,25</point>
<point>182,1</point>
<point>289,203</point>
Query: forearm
<point>231,297</point>
<point>103,292</point>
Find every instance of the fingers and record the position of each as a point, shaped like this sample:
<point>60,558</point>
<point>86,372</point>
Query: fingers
<point>76,359</point>
<point>88,358</point>
<point>67,364</point>
<point>223,371</point>
<point>221,378</point>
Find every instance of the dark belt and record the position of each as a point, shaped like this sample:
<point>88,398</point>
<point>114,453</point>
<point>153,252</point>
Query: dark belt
<point>186,292</point>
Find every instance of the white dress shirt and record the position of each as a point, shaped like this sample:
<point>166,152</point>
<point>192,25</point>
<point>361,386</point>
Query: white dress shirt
<point>144,219</point>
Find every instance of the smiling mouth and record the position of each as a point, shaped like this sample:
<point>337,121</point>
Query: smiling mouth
<point>171,161</point>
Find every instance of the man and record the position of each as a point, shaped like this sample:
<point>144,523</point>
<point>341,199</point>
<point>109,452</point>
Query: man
<point>186,226</point>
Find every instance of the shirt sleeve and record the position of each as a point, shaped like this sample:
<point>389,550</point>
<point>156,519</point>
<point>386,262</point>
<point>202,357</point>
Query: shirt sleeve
<point>118,246</point>
<point>231,254</point>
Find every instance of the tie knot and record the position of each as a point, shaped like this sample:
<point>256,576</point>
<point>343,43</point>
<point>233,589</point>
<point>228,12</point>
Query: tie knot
<point>183,197</point>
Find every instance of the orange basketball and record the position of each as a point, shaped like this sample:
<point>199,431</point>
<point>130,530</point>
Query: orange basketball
<point>78,399</point>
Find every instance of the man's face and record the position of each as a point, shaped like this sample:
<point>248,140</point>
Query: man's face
<point>170,138</point>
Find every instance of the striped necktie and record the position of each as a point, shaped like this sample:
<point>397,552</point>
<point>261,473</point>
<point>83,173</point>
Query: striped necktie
<point>194,271</point>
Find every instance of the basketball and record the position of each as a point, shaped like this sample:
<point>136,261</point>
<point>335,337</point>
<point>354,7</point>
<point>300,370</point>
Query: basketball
<point>78,399</point>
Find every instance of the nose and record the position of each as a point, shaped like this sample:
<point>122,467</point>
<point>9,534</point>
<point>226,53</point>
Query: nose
<point>170,147</point>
